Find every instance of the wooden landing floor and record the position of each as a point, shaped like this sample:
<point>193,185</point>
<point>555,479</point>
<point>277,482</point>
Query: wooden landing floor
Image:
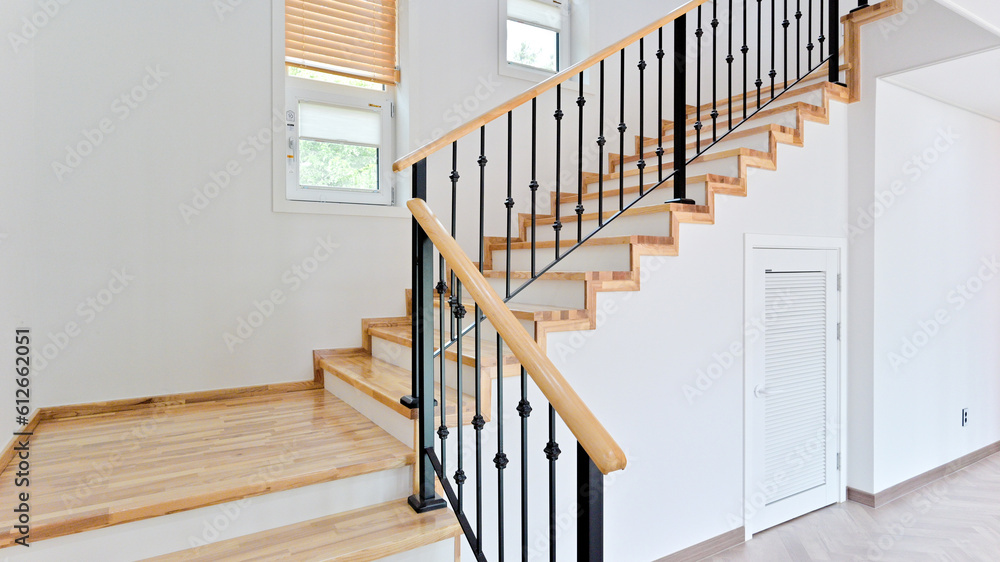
<point>99,470</point>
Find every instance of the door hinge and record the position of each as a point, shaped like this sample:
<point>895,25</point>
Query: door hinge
<point>838,331</point>
<point>838,461</point>
<point>839,279</point>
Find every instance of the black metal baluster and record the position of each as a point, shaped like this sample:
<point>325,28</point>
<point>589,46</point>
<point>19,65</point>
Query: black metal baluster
<point>600,156</point>
<point>784,24</point>
<point>422,360</point>
<point>745,49</point>
<point>552,453</point>
<point>715,72</point>
<point>698,32</point>
<point>580,102</point>
<point>621,134</point>
<point>809,45</point>
<point>500,460</point>
<point>558,115</point>
<point>524,410</point>
<point>834,31</point>
<point>453,177</point>
<point>478,421</point>
<point>822,38</point>
<point>533,186</point>
<point>774,47</point>
<point>760,50</point>
<point>590,502</point>
<point>680,110</point>
<point>659,103</point>
<point>798,39</point>
<point>641,164</point>
<point>509,202</point>
<point>729,62</point>
<point>458,311</point>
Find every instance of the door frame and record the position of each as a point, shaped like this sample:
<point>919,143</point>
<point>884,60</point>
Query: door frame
<point>787,242</point>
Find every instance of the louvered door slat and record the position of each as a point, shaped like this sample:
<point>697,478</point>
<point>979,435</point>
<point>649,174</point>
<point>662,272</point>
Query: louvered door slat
<point>795,359</point>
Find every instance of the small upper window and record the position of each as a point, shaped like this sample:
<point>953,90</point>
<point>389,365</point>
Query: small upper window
<point>340,57</point>
<point>535,33</point>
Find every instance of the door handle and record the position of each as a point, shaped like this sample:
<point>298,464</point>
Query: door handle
<point>760,392</point>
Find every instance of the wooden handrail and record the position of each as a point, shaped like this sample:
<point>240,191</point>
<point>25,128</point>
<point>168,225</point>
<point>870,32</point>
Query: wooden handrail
<point>595,439</point>
<point>537,90</point>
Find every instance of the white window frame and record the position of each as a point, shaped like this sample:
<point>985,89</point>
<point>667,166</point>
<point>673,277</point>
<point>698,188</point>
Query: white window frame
<point>524,72</point>
<point>306,90</point>
<point>280,203</point>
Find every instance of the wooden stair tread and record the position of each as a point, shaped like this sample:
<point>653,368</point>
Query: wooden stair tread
<point>190,456</point>
<point>387,383</point>
<point>724,123</point>
<point>610,191</point>
<point>652,167</point>
<point>634,211</point>
<point>740,133</point>
<point>530,312</point>
<point>595,241</point>
<point>361,535</point>
<point>402,334</point>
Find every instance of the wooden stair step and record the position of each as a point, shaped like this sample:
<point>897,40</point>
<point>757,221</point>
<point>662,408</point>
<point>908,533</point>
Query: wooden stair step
<point>402,334</point>
<point>798,106</point>
<point>530,312</point>
<point>634,211</point>
<point>361,535</point>
<point>610,191</point>
<point>198,455</point>
<point>668,166</point>
<point>614,159</point>
<point>387,383</point>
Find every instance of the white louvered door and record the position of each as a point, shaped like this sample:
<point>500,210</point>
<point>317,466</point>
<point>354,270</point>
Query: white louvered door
<point>792,384</point>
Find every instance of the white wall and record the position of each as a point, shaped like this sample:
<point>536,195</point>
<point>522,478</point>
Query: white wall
<point>923,34</point>
<point>684,481</point>
<point>118,210</point>
<point>937,285</point>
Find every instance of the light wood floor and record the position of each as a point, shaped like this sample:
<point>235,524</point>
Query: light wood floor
<point>100,470</point>
<point>956,519</point>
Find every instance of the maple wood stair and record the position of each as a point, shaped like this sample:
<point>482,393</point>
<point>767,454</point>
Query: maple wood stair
<point>360,535</point>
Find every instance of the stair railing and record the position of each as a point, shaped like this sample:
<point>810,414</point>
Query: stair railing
<point>750,52</point>
<point>597,452</point>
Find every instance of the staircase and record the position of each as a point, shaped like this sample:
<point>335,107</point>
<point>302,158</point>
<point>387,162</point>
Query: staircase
<point>361,436</point>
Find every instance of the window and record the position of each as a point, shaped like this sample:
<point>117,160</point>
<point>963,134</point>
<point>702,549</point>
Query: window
<point>339,84</point>
<point>535,37</point>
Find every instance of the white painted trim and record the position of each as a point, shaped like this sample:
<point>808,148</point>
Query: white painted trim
<point>768,241</point>
<point>951,5</point>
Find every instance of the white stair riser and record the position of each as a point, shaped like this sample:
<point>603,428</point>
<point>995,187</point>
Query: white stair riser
<point>654,224</point>
<point>695,191</point>
<point>722,166</point>
<point>183,530</point>
<point>402,355</point>
<point>586,258</point>
<point>390,421</point>
<point>564,294</point>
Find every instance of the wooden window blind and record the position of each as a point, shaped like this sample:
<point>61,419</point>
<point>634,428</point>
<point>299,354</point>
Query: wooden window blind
<point>355,38</point>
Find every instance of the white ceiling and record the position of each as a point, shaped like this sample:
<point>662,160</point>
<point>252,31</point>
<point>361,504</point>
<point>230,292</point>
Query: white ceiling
<point>971,82</point>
